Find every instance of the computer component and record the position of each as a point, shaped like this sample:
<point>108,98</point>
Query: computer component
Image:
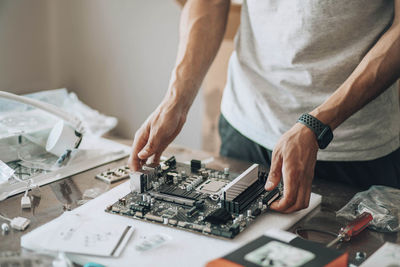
<point>114,175</point>
<point>197,199</point>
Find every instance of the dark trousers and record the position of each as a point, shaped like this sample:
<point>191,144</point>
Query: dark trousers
<point>381,171</point>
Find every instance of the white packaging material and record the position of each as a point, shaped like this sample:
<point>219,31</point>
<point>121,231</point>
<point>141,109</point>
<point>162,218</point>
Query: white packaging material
<point>5,172</point>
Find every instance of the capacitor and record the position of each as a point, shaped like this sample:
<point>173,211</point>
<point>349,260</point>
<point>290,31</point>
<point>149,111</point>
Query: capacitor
<point>165,221</point>
<point>152,200</point>
<point>248,213</point>
<point>183,173</point>
<point>144,198</point>
<point>175,180</point>
<point>226,171</point>
<point>260,205</point>
<point>148,198</point>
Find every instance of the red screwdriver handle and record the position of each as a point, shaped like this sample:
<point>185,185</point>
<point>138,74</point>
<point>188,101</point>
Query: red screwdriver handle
<point>356,226</point>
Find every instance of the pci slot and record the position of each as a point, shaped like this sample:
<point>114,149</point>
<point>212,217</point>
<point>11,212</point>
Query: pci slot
<point>173,199</point>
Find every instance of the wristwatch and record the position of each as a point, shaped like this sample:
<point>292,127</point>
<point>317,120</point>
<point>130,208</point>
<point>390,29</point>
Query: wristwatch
<point>322,131</point>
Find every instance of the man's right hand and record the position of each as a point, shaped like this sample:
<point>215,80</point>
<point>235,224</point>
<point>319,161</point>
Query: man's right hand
<point>202,28</point>
<point>156,133</point>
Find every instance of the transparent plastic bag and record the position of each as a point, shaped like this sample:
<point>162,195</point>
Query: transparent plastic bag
<point>382,202</point>
<point>21,118</point>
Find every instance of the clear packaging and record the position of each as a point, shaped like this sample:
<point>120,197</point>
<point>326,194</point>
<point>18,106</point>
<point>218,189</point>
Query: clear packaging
<point>5,172</point>
<point>152,242</point>
<point>382,202</point>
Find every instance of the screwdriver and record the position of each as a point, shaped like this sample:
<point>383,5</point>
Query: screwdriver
<point>353,228</point>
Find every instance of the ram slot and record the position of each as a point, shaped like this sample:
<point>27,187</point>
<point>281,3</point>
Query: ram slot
<point>241,183</point>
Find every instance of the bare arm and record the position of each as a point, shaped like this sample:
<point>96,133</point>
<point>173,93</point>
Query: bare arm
<point>295,155</point>
<point>379,69</point>
<point>202,28</point>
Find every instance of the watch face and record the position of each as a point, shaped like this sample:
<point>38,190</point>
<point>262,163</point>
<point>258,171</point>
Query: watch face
<point>325,137</point>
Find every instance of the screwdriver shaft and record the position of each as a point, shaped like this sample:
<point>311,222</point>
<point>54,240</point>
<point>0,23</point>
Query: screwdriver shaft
<point>334,241</point>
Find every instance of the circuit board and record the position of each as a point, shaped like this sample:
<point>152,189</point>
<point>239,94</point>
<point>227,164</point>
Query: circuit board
<point>197,199</point>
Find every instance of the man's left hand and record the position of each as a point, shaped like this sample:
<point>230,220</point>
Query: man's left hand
<point>293,160</point>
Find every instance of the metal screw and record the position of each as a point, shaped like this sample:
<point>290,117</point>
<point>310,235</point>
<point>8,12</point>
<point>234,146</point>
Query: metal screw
<point>360,255</point>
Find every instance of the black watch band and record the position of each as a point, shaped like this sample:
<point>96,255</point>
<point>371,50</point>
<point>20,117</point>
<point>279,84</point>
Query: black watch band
<point>322,131</point>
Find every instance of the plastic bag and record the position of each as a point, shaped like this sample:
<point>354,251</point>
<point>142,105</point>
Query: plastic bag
<point>22,118</point>
<point>382,202</point>
<point>5,172</point>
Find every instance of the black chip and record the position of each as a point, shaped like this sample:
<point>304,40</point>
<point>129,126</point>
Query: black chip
<point>218,216</point>
<point>256,212</point>
<point>195,165</point>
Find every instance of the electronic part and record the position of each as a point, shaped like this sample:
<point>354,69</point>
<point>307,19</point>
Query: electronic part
<point>173,191</point>
<point>171,162</point>
<point>142,181</point>
<point>195,165</point>
<point>244,199</point>
<point>211,186</point>
<point>272,195</point>
<point>5,228</point>
<point>25,202</point>
<point>218,216</point>
<point>241,183</point>
<point>173,199</point>
<point>192,199</point>
<point>114,175</point>
<point>19,223</point>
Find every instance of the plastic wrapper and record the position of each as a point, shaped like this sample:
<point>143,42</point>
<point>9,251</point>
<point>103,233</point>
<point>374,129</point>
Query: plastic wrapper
<point>5,172</point>
<point>21,118</point>
<point>382,202</point>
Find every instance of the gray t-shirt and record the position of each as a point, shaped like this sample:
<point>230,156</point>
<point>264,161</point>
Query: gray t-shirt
<point>291,56</point>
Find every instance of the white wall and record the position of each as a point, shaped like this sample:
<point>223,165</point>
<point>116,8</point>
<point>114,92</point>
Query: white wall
<point>25,54</point>
<point>116,55</point>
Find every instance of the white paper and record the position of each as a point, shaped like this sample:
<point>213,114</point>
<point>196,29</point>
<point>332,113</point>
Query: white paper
<point>184,249</point>
<point>386,256</point>
<point>77,234</point>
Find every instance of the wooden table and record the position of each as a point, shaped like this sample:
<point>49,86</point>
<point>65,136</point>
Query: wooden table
<point>64,194</point>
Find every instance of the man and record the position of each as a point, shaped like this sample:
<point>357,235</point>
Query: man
<point>335,62</point>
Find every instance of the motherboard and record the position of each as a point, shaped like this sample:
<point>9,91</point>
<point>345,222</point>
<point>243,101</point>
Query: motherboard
<point>197,199</point>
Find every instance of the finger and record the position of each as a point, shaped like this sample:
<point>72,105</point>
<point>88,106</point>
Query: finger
<point>301,200</point>
<point>139,142</point>
<point>275,172</point>
<point>290,190</point>
<point>156,158</point>
<point>152,146</point>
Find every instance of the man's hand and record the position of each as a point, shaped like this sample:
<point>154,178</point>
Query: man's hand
<point>156,133</point>
<point>293,160</point>
<point>201,31</point>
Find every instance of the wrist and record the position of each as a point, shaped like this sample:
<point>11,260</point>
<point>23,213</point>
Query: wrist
<point>181,93</point>
<point>306,134</point>
<point>322,132</point>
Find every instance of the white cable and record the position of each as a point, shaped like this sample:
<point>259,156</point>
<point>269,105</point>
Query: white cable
<point>5,218</point>
<point>52,109</point>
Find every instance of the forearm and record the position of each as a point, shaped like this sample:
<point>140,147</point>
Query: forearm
<point>376,72</point>
<point>202,28</point>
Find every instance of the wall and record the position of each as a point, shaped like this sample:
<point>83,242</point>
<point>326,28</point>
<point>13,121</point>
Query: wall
<point>25,53</point>
<point>116,55</point>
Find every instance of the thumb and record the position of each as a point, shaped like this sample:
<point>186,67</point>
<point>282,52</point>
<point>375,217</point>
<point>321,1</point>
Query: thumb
<point>275,173</point>
<point>149,149</point>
